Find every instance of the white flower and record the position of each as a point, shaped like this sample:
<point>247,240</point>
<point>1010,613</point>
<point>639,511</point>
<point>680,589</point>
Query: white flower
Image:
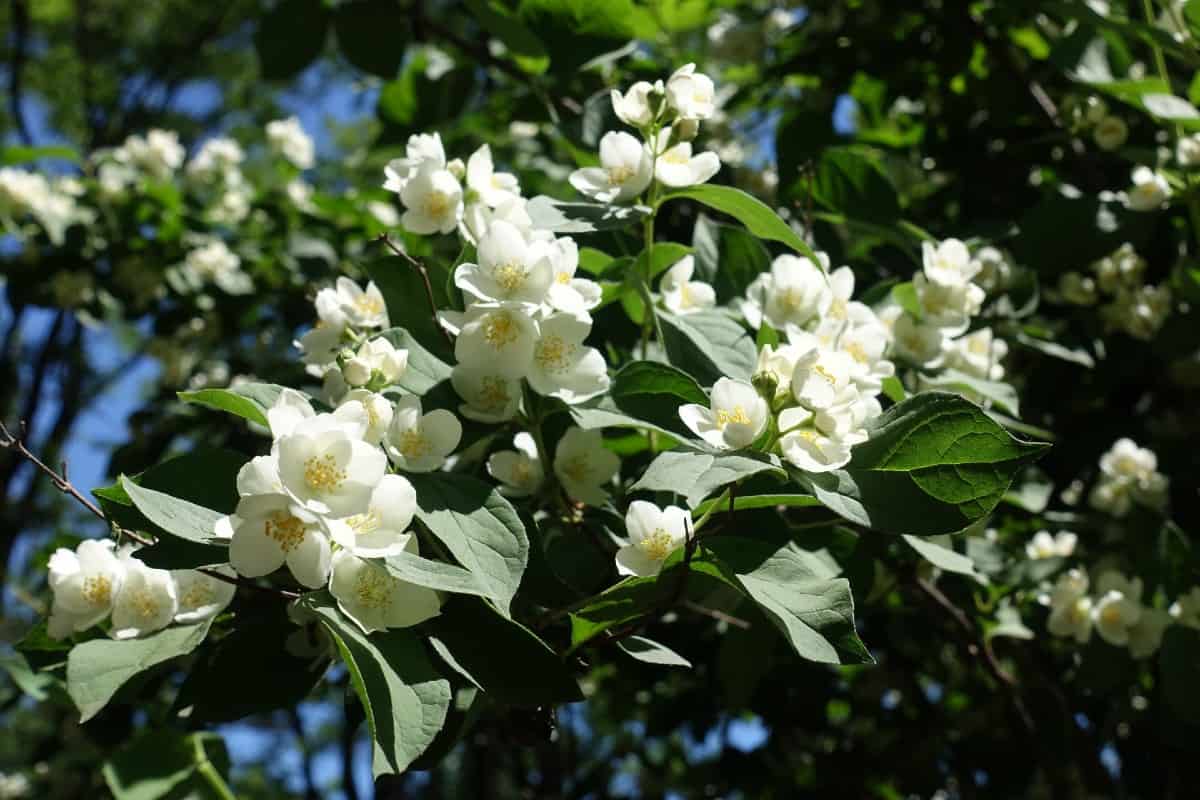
<point>382,528</point>
<point>325,465</point>
<point>818,442</point>
<point>259,476</point>
<point>866,343</point>
<point>676,166</point>
<point>519,471</point>
<point>1045,545</point>
<point>922,344</point>
<point>362,308</point>
<point>1146,635</point>
<point>201,596</point>
<point>977,354</point>
<point>1187,150</point>
<point>384,213</point>
<point>509,269</point>
<point>634,107</point>
<point>369,595</point>
<point>1137,466</point>
<point>146,602</point>
<point>273,531</point>
<point>216,158</point>
<point>779,362</point>
<point>625,170</point>
<point>158,153</point>
<point>478,218</point>
<point>1111,132</point>
<point>568,293</point>
<point>1077,289</point>
<point>795,291</point>
<point>1119,607</point>
<point>737,415</point>
<point>375,359</point>
<point>433,199</point>
<point>378,409</point>
<point>562,366</point>
<point>424,151</point>
<point>300,194</point>
<point>289,410</point>
<point>681,294</point>
<point>84,583</point>
<point>1140,311</point>
<point>654,533</point>
<point>420,442</point>
<point>691,93</point>
<point>499,338</point>
<point>949,263</point>
<point>948,306</point>
<point>583,465</point>
<point>822,379</point>
<point>1149,192</point>
<point>1186,608</point>
<point>287,137</point>
<point>488,396</point>
<point>1071,616</point>
<point>493,188</point>
<point>1111,497</point>
<point>215,262</point>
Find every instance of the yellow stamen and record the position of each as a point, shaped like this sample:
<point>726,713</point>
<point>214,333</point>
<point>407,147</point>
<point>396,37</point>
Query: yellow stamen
<point>737,415</point>
<point>657,546</point>
<point>286,530</point>
<point>322,474</point>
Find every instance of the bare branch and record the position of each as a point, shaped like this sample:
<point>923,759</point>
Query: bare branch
<point>424,273</point>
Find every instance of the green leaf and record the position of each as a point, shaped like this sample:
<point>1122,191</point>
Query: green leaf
<point>566,218</point>
<point>15,155</point>
<point>98,668</point>
<point>697,475</point>
<point>1072,355</point>
<point>641,378</point>
<point>596,262</point>
<point>433,574</point>
<point>368,33</point>
<point>479,528</point>
<point>644,394</point>
<point>652,652</point>
<point>850,182</point>
<point>403,292</point>
<point>175,516</point>
<point>894,389</point>
<point>935,463</point>
<point>758,218</point>
<point>220,687</point>
<point>162,763</point>
<point>758,501</point>
<point>905,295</point>
<point>944,557</point>
<point>425,370</point>
<point>524,45</point>
<point>709,345</point>
<point>227,400</point>
<point>404,698</point>
<point>24,677</point>
<point>797,591</point>
<point>1002,395</point>
<point>662,256</point>
<point>729,258</point>
<point>502,657</point>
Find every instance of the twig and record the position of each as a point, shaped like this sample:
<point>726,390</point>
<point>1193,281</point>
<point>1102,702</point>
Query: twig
<point>977,648</point>
<point>20,27</point>
<point>424,273</point>
<point>7,440</point>
<point>63,484</point>
<point>719,616</point>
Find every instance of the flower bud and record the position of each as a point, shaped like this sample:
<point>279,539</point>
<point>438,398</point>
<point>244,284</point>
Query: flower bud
<point>457,168</point>
<point>684,130</point>
<point>356,371</point>
<point>766,384</point>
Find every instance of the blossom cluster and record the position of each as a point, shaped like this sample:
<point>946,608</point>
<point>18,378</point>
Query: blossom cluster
<point>97,580</point>
<point>52,204</point>
<point>1134,306</point>
<point>1114,610</point>
<point>1128,474</point>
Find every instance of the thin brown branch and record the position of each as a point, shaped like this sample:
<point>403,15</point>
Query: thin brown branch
<point>63,484</point>
<point>719,616</point>
<point>424,273</point>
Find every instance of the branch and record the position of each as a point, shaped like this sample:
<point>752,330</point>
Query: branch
<point>63,484</point>
<point>20,27</point>
<point>424,273</point>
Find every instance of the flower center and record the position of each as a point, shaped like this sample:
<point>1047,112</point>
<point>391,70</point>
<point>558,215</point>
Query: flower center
<point>1111,614</point>
<point>322,473</point>
<point>824,373</point>
<point>286,530</point>
<point>198,594</point>
<point>576,469</point>
<point>373,588</point>
<point>563,277</point>
<point>437,204</point>
<point>674,156</point>
<point>97,590</point>
<point>368,305</point>
<point>145,603</point>
<point>618,175</point>
<point>367,522</point>
<point>857,352</point>
<point>510,277</point>
<point>736,415</point>
<point>657,546</point>
<point>553,353</point>
<point>413,444</point>
<point>500,330</point>
<point>493,392</point>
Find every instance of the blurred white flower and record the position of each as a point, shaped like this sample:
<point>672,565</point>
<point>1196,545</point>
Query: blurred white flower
<point>287,138</point>
<point>584,466</point>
